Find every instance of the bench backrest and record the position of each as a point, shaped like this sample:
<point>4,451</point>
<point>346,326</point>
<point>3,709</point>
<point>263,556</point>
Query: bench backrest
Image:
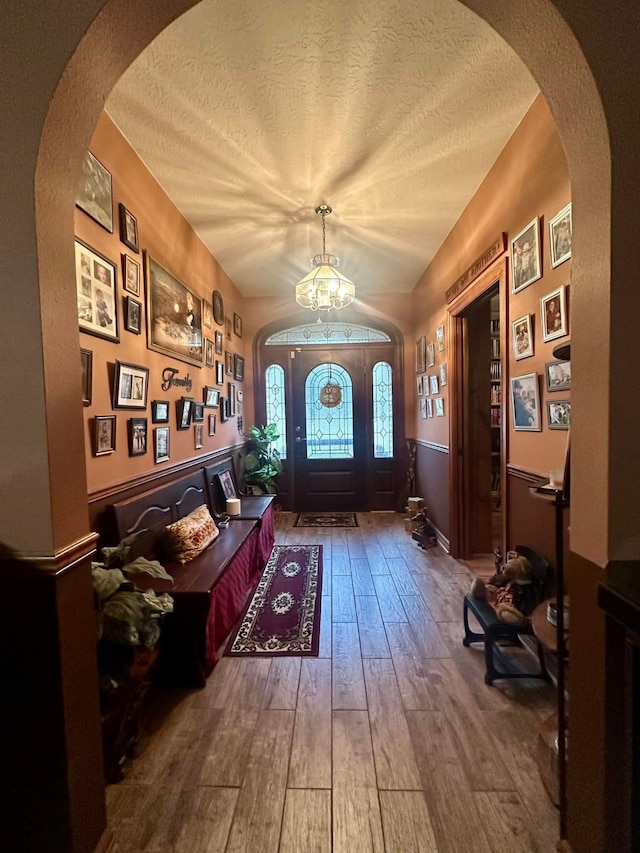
<point>161,506</point>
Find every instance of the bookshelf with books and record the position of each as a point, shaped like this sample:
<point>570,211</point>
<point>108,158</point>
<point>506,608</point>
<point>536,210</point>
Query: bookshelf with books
<point>496,414</point>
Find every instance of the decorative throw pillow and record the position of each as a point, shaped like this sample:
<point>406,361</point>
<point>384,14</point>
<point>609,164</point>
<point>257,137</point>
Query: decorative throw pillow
<point>189,536</point>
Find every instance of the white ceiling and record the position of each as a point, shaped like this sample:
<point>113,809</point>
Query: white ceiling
<point>251,113</point>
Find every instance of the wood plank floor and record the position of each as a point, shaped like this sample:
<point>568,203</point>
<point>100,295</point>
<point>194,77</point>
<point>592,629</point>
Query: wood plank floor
<point>389,741</point>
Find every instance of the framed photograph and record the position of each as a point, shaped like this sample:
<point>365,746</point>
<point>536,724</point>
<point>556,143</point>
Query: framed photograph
<point>131,275</point>
<point>227,485</point>
<point>228,363</point>
<point>429,403</point>
<point>558,375</point>
<point>197,413</point>
<point>232,398</point>
<point>439,401</point>
<point>423,407</point>
<point>161,444</point>
<point>197,435</point>
<point>207,314</point>
<point>227,328</point>
<point>174,316</point>
<point>183,412</point>
<point>433,383</point>
<point>104,439</point>
<point>128,228</point>
<point>94,194</point>
<point>525,402</point>
<point>224,409</point>
<point>208,352</point>
<point>440,338</point>
<point>130,386</point>
<point>554,315</point>
<point>137,436</point>
<point>212,424</point>
<point>211,396</point>
<point>86,363</point>
<point>525,257</point>
<point>219,373</point>
<point>218,343</point>
<point>419,385</point>
<point>132,315</point>
<point>431,355</point>
<point>96,293</point>
<point>237,325</point>
<point>560,230</point>
<point>160,411</point>
<point>443,374</point>
<point>238,368</point>
<point>522,337</point>
<point>421,354</point>
<point>559,414</point>
<point>218,308</point>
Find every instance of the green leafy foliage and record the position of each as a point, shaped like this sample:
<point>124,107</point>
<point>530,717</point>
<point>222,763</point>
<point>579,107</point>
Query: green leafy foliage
<point>126,615</point>
<point>261,463</point>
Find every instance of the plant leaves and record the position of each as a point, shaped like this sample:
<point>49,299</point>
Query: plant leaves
<point>106,581</point>
<point>151,567</point>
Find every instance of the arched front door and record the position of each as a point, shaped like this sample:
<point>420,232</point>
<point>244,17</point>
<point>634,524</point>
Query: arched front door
<point>331,429</point>
<point>340,410</point>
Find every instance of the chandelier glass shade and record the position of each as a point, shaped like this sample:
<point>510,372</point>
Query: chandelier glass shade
<point>324,287</point>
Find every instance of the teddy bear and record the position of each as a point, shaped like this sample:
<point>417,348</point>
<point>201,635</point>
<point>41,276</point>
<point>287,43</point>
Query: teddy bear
<point>512,591</point>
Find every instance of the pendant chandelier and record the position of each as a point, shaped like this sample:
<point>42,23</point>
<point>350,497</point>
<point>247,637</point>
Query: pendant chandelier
<point>324,287</point>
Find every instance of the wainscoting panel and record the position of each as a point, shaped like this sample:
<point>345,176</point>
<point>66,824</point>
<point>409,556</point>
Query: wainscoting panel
<point>432,484</point>
<point>531,521</point>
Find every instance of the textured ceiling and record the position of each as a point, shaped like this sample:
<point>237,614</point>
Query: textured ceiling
<point>251,113</point>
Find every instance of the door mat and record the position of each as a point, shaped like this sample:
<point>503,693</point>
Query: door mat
<point>283,616</point>
<point>326,519</point>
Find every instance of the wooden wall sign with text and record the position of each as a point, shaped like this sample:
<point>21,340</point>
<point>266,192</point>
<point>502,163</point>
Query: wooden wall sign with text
<point>486,258</point>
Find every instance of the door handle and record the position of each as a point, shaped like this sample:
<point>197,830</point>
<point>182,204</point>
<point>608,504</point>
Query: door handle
<point>298,438</point>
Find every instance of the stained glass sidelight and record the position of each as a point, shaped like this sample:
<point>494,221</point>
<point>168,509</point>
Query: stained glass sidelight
<point>382,410</point>
<point>276,409</point>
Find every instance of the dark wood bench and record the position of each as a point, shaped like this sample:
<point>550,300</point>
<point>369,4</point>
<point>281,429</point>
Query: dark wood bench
<point>495,631</point>
<point>258,507</point>
<point>210,591</point>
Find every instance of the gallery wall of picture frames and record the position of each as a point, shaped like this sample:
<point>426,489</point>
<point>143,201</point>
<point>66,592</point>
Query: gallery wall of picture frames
<point>154,300</point>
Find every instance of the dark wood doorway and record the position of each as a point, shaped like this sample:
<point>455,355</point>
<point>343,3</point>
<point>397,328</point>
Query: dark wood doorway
<point>330,436</point>
<point>478,434</point>
<point>336,457</point>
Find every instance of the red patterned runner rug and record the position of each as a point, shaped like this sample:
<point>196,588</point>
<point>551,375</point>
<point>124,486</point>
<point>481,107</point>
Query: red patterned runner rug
<point>283,616</point>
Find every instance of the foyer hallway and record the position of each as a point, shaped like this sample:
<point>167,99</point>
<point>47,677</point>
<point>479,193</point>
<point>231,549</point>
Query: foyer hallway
<point>388,741</point>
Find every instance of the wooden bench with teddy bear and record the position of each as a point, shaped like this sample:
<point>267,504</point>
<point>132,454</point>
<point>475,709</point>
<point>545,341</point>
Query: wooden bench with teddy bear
<point>503,606</point>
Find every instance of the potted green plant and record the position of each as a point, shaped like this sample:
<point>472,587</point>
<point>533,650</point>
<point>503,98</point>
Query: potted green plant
<point>127,617</point>
<point>261,463</point>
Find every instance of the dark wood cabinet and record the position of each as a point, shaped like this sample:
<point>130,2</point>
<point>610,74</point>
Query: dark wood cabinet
<point>123,701</point>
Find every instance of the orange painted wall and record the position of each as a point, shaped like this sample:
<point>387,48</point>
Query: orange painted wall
<point>166,235</point>
<point>529,178</point>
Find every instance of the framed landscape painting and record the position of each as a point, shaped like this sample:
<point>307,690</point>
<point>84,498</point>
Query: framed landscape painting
<point>174,315</point>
